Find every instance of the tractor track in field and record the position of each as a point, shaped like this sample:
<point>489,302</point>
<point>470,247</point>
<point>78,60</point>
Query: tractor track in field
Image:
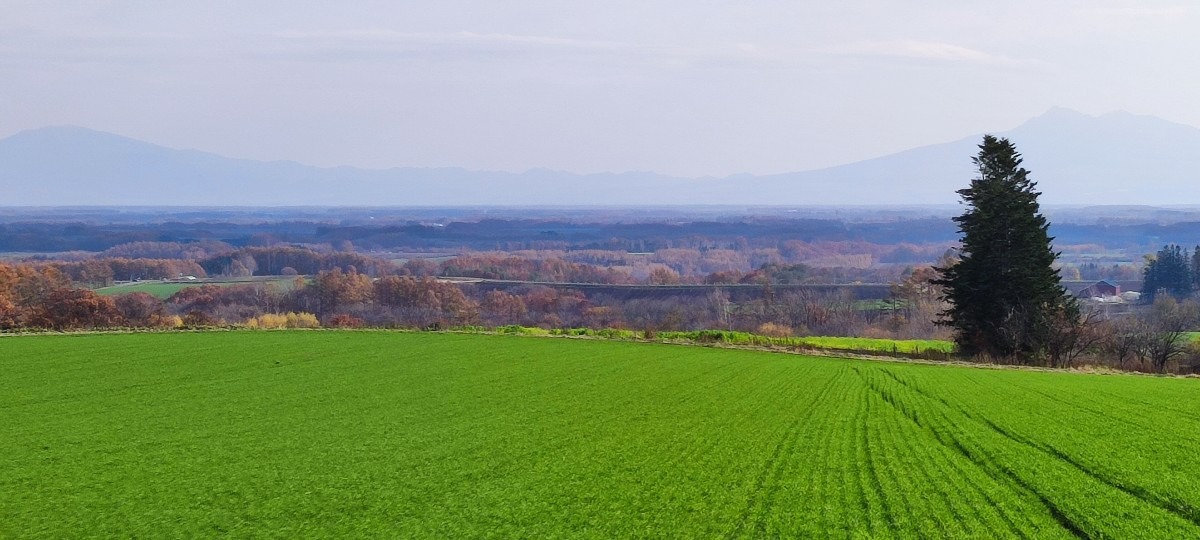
<point>1187,513</point>
<point>766,484</point>
<point>951,442</point>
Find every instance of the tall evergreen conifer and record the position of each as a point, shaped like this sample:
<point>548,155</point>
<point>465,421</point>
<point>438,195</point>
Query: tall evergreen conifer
<point>1003,294</point>
<point>1195,268</point>
<point>1169,271</point>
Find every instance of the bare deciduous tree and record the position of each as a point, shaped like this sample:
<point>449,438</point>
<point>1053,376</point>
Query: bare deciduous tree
<point>1071,334</point>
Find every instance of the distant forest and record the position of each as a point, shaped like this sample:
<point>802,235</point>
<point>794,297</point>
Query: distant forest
<point>66,233</point>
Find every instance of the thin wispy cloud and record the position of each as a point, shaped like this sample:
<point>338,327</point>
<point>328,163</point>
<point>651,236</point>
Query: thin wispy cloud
<point>463,46</point>
<point>386,45</point>
<point>462,38</point>
<point>468,46</point>
<point>1143,11</point>
<point>500,48</point>
<point>931,51</point>
<point>110,48</point>
<point>454,50</point>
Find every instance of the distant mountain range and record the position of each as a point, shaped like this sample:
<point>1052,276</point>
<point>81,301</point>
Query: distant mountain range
<point>1113,159</point>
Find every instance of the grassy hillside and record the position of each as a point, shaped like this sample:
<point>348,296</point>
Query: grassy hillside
<point>441,435</point>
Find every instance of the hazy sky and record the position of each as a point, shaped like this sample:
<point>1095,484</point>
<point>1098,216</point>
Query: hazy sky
<point>682,87</point>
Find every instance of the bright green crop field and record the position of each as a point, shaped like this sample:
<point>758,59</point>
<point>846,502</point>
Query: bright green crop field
<point>383,434</point>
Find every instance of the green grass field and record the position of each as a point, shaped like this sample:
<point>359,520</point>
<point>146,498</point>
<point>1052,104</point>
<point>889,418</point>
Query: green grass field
<point>340,434</point>
<point>164,289</point>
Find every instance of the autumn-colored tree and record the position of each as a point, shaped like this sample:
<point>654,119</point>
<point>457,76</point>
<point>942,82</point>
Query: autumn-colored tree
<point>102,271</point>
<point>199,319</point>
<point>94,273</point>
<point>196,298</point>
<point>342,320</point>
<point>603,317</point>
<point>67,309</point>
<point>662,275</point>
<point>552,308</point>
<point>34,284</point>
<point>500,308</point>
<point>25,290</point>
<point>243,265</point>
<point>141,309</point>
<point>9,315</point>
<point>229,303</point>
<point>408,292</point>
<point>336,289</point>
<point>168,250</point>
<point>456,307</point>
<point>537,267</point>
<point>425,301</point>
<point>272,260</point>
<point>728,276</point>
<point>916,301</point>
<point>419,267</point>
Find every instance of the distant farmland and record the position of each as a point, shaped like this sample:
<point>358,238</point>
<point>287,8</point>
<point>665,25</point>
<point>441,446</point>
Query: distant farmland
<point>164,289</point>
<point>340,434</point>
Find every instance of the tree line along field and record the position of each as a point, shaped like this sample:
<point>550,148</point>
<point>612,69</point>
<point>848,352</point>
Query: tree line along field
<point>456,435</point>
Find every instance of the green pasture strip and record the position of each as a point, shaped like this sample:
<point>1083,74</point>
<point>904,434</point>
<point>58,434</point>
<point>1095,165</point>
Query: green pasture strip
<point>816,342</point>
<point>163,290</point>
<point>746,338</point>
<point>392,434</point>
<point>158,290</point>
<point>882,345</point>
<point>880,304</point>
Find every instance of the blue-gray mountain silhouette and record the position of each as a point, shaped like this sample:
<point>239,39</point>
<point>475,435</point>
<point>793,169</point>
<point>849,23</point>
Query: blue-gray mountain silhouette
<point>1117,158</point>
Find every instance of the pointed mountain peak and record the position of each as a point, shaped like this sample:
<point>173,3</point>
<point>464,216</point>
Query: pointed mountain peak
<point>1057,116</point>
<point>68,134</point>
<point>1062,112</point>
<point>1061,127</point>
<point>66,129</point>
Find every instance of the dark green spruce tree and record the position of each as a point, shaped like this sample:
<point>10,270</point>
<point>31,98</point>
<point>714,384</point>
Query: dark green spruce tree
<point>1170,272</point>
<point>1003,294</point>
<point>1195,269</point>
